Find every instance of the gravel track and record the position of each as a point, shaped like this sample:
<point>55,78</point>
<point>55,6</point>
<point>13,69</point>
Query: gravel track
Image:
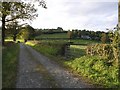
<point>31,77</point>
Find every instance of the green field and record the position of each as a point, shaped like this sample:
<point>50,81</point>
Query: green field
<point>77,50</point>
<point>61,35</point>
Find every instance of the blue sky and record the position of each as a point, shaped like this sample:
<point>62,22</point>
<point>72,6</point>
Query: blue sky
<point>77,14</point>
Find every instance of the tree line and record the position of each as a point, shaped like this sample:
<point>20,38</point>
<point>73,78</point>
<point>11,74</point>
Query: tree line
<point>91,35</point>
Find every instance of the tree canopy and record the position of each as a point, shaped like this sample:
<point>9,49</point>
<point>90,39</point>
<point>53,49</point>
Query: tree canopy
<point>11,11</point>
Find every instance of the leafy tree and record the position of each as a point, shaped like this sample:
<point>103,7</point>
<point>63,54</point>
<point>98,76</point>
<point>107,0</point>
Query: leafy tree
<point>11,11</point>
<point>31,31</point>
<point>74,33</point>
<point>79,34</point>
<point>24,33</point>
<point>13,28</point>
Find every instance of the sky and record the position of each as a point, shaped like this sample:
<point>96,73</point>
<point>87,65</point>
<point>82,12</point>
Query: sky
<point>77,14</point>
<point>94,15</point>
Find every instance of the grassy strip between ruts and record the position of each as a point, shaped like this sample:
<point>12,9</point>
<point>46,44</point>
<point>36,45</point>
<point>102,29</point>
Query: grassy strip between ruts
<point>91,67</point>
<point>9,64</point>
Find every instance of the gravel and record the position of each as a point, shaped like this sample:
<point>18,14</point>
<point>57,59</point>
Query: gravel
<point>28,77</point>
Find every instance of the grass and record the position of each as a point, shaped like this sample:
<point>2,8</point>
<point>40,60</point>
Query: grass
<point>93,68</point>
<point>52,48</point>
<point>57,35</point>
<point>82,41</point>
<point>9,64</point>
<point>77,50</point>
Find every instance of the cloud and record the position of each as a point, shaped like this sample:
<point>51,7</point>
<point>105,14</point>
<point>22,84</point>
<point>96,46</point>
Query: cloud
<point>80,15</point>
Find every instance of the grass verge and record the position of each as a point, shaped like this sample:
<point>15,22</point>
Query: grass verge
<point>93,68</point>
<point>9,64</point>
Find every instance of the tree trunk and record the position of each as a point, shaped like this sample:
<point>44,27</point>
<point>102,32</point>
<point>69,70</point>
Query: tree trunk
<point>3,28</point>
<point>14,38</point>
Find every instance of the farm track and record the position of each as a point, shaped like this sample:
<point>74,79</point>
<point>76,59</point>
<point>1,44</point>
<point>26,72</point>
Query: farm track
<point>37,71</point>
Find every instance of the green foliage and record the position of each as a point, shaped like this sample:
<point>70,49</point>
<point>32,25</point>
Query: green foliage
<point>24,33</point>
<point>77,50</point>
<point>46,49</point>
<point>9,65</point>
<point>18,10</point>
<point>95,68</point>
<point>49,47</point>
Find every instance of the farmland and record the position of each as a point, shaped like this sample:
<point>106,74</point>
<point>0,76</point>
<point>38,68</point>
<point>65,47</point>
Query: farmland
<point>63,45</point>
<point>57,35</point>
<point>92,67</point>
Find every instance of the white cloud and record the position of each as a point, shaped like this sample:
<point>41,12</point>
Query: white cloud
<point>80,15</point>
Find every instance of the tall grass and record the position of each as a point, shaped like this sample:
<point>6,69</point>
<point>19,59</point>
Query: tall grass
<point>9,65</point>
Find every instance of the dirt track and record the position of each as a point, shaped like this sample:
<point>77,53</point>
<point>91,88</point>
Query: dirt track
<point>37,71</point>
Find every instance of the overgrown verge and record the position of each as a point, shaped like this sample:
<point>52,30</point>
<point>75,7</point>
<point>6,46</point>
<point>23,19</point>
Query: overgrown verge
<point>95,67</point>
<point>108,51</point>
<point>9,64</point>
<point>50,48</point>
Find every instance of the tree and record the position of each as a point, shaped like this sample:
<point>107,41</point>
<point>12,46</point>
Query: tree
<point>18,10</point>
<point>79,34</point>
<point>13,28</point>
<point>24,33</point>
<point>31,31</point>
